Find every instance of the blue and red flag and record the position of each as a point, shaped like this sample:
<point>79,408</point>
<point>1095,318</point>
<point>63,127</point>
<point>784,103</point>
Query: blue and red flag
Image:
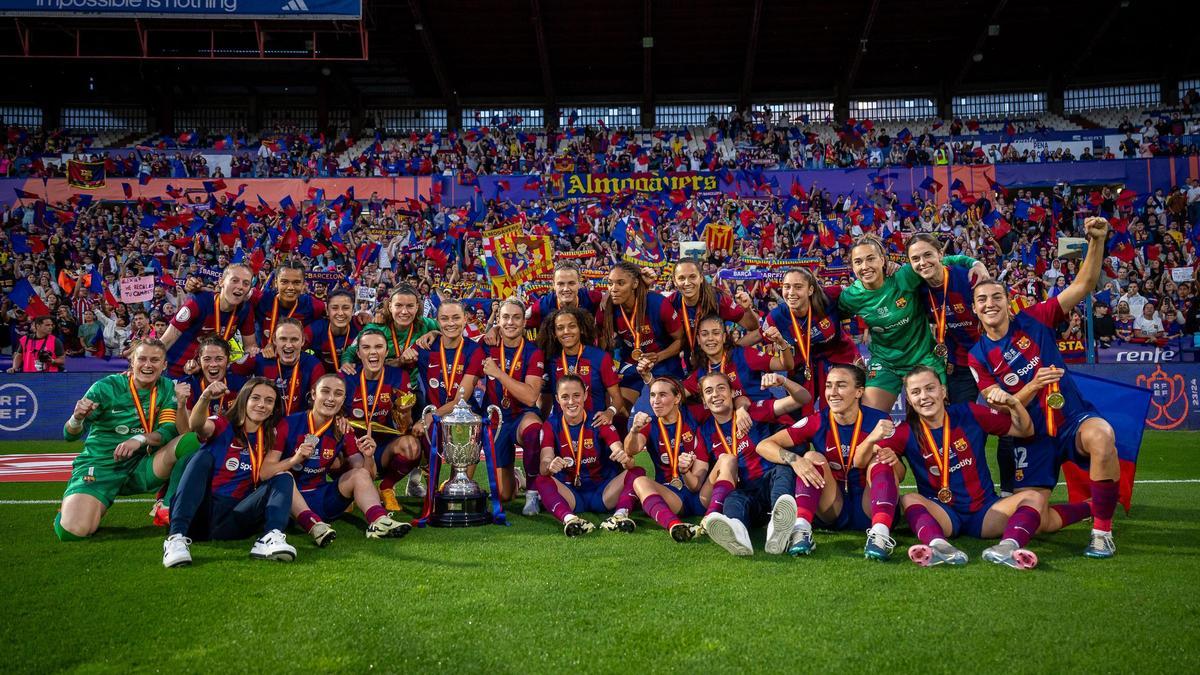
<point>1124,407</point>
<point>23,296</point>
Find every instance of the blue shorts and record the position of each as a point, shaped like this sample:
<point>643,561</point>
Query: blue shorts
<point>506,443</point>
<point>327,501</point>
<point>969,523</point>
<point>630,377</point>
<point>1035,462</point>
<point>590,499</point>
<point>692,506</point>
<point>852,517</point>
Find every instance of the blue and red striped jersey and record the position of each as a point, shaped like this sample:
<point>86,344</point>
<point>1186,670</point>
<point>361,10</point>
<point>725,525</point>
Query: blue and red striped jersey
<point>817,430</point>
<point>232,466</point>
<point>589,449</point>
<point>198,318</point>
<point>594,365</point>
<point>314,471</point>
<point>962,326</point>
<point>661,450</point>
<point>520,362</point>
<point>469,358</point>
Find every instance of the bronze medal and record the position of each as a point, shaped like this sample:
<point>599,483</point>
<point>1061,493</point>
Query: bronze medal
<point>677,483</point>
<point>577,481</point>
<point>808,373</point>
<point>505,402</point>
<point>636,354</point>
<point>1056,400</point>
<point>940,350</point>
<point>944,495</point>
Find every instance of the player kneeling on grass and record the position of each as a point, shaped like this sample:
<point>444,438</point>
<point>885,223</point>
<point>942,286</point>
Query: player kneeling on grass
<point>680,460</point>
<point>944,445</point>
<point>836,483</point>
<point>128,422</point>
<point>222,493</point>
<point>586,468</point>
<point>312,442</point>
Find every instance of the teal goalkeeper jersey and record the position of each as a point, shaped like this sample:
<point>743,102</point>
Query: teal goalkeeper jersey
<point>116,419</point>
<point>898,323</point>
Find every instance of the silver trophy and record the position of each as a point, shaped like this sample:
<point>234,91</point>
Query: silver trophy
<point>460,502</point>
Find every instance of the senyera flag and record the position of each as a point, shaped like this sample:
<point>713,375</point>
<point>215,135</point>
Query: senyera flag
<point>1123,406</point>
<point>85,175</point>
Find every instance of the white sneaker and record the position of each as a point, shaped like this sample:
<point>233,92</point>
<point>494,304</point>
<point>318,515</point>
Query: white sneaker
<point>779,528</point>
<point>176,551</point>
<point>416,484</point>
<point>533,503</point>
<point>273,546</point>
<point>728,533</point>
<point>388,527</point>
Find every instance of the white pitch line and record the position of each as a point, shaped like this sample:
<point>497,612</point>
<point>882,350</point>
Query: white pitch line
<point>21,502</point>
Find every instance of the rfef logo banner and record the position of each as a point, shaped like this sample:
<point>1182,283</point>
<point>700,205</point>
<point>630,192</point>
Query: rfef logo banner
<point>1174,389</point>
<point>199,9</point>
<point>600,184</point>
<point>34,406</point>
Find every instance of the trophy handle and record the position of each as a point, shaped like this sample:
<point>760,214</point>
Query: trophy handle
<point>494,410</point>
<point>429,410</point>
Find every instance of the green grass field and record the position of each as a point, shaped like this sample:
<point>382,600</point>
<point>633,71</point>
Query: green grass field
<point>526,599</point>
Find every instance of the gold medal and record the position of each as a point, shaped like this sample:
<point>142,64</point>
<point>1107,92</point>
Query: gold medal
<point>505,402</point>
<point>808,374</point>
<point>944,495</point>
<point>636,354</point>
<point>941,350</point>
<point>1056,400</point>
<point>677,483</point>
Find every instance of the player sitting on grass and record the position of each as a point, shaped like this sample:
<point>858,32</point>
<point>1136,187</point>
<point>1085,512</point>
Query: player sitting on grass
<point>223,493</point>
<point>836,485</point>
<point>128,422</point>
<point>584,467</point>
<point>1020,355</point>
<point>944,445</point>
<point>680,461</point>
<point>763,489</point>
<point>312,442</point>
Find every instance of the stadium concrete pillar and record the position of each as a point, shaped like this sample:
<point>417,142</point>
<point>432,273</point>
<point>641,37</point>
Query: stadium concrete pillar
<point>254,115</point>
<point>841,104</point>
<point>1170,89</point>
<point>550,113</point>
<point>647,69</point>
<point>945,102</point>
<point>453,116</point>
<point>323,103</point>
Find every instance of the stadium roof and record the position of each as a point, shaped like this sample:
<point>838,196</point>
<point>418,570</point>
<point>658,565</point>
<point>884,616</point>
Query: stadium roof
<point>462,52</point>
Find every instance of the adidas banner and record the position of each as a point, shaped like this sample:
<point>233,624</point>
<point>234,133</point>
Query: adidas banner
<point>200,9</point>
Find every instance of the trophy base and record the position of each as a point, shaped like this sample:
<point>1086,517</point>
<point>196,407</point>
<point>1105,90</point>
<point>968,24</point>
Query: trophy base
<point>461,511</point>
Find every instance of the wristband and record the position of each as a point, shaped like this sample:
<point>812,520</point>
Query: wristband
<point>612,409</point>
<point>140,438</point>
<point>74,425</point>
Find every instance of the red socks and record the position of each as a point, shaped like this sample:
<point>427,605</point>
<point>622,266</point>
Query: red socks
<point>531,452</point>
<point>1104,504</point>
<point>807,499</point>
<point>1072,512</point>
<point>1022,525</point>
<point>628,496</point>
<point>720,491</point>
<point>884,493</point>
<point>656,507</point>
<point>396,470</point>
<point>375,513</point>
<point>307,519</point>
<point>551,500</point>
<point>923,524</point>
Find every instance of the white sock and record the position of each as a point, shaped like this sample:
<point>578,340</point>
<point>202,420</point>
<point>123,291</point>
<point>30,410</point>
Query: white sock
<point>937,541</point>
<point>880,528</point>
<point>621,513</point>
<point>1096,532</point>
<point>803,522</point>
<point>1015,543</point>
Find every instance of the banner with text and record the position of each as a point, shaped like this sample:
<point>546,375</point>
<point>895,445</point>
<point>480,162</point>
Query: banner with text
<point>609,184</point>
<point>198,9</point>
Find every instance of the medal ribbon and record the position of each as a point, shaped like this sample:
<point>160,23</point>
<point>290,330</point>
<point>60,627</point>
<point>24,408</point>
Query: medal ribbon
<point>362,388</point>
<point>217,319</point>
<point>942,460</point>
<point>333,351</point>
<point>293,380</point>
<point>578,355</point>
<point>1051,413</point>
<point>320,432</point>
<point>672,452</point>
<point>516,360</point>
<point>803,342</point>
<point>577,449</point>
<point>220,403</point>
<point>407,341</point>
<point>939,316</point>
<point>637,336</point>
<point>448,375</point>
<point>137,405</point>
<point>848,458</point>
<point>275,313</point>
<point>687,323</point>
<point>256,458</point>
<point>725,441</point>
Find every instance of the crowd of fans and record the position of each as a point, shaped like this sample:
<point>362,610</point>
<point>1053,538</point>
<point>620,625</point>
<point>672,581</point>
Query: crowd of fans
<point>758,140</point>
<point>1148,290</point>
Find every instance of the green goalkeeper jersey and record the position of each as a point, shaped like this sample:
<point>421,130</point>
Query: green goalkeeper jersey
<point>898,323</point>
<point>116,420</point>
